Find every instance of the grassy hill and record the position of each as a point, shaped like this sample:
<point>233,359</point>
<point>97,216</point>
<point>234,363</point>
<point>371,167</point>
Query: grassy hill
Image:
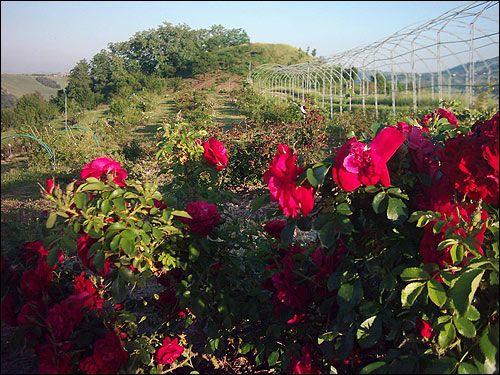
<point>20,84</point>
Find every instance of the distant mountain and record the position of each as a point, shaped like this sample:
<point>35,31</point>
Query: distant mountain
<point>18,85</point>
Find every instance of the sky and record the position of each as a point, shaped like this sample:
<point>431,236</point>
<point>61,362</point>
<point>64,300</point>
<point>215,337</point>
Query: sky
<point>52,36</point>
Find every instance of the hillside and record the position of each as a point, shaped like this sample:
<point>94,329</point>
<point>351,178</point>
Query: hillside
<point>20,84</point>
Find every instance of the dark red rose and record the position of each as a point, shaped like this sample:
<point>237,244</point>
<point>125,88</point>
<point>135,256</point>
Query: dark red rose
<point>62,319</point>
<point>204,217</point>
<point>303,364</point>
<point>88,365</point>
<point>86,291</point>
<point>32,312</point>
<point>423,328</point>
<point>83,244</point>
<point>103,166</point>
<point>35,282</point>
<point>159,204</point>
<point>169,351</point>
<point>109,354</point>
<point>8,315</point>
<point>274,228</point>
<point>440,113</point>
<point>215,154</point>
<point>53,362</point>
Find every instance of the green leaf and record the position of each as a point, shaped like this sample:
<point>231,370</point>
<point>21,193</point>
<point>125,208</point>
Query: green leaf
<point>462,292</point>
<point>106,206</point>
<point>447,335</point>
<point>51,221</point>
<point>273,358</point>
<point>287,232</point>
<point>260,201</point>
<point>414,273</point>
<point>99,186</point>
<point>128,246</point>
<point>372,189</point>
<point>343,209</point>
<point>457,253</point>
<point>465,327</point>
<point>194,253</point>
<point>467,368</point>
<point>181,214</point>
<point>472,314</point>
<point>98,261</point>
<point>119,203</point>
<point>397,193</point>
<point>369,369</point>
<point>436,292</point>
<point>369,332</point>
<point>489,343</point>
<point>81,199</point>
<point>119,290</point>
<point>52,257</point>
<point>397,210</point>
<point>311,178</point>
<point>411,292</point>
<point>379,202</point>
<point>113,245</point>
<point>442,365</point>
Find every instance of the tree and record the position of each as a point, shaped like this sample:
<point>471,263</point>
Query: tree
<point>80,85</point>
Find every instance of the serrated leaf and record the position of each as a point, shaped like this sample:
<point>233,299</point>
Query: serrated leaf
<point>467,368</point>
<point>447,335</point>
<point>436,292</point>
<point>311,178</point>
<point>457,253</point>
<point>128,246</point>
<point>411,292</point>
<point>51,221</point>
<point>465,327</point>
<point>273,358</point>
<point>343,209</point>
<point>397,210</point>
<point>379,203</point>
<point>369,332</point>
<point>52,257</point>
<point>98,186</point>
<point>368,369</point>
<point>472,314</point>
<point>463,291</point>
<point>81,199</point>
<point>181,214</point>
<point>414,273</point>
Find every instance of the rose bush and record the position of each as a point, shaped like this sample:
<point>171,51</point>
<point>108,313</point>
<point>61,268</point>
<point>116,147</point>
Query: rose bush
<point>381,257</point>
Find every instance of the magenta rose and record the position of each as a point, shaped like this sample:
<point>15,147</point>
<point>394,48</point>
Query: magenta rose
<point>204,217</point>
<point>103,166</point>
<point>215,153</point>
<point>169,351</point>
<point>281,178</point>
<point>359,164</point>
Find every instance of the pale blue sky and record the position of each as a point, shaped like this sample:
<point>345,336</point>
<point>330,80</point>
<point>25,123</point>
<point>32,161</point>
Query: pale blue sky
<point>49,36</point>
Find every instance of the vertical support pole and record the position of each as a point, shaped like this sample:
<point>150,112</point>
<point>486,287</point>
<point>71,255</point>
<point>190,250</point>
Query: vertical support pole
<point>439,67</point>
<point>363,92</point>
<point>376,98</point>
<point>471,65</point>
<point>341,86</point>
<point>414,78</point>
<point>323,93</point>
<point>393,91</point>
<point>331,99</point>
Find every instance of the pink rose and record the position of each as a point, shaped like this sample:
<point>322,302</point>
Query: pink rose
<point>103,166</point>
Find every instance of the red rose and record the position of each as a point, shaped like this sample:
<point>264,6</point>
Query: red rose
<point>169,351</point>
<point>88,365</point>
<point>281,178</point>
<point>109,354</point>
<point>358,164</point>
<point>86,291</point>
<point>49,185</point>
<point>103,166</point>
<point>204,217</point>
<point>31,313</point>
<point>274,228</point>
<point>215,153</point>
<point>440,113</point>
<point>159,204</point>
<point>423,328</point>
<point>35,282</point>
<point>33,250</point>
<point>7,308</point>
<point>83,244</point>
<point>62,319</point>
<point>303,364</point>
<point>50,362</point>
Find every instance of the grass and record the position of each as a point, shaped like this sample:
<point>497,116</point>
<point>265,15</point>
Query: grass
<point>21,84</point>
